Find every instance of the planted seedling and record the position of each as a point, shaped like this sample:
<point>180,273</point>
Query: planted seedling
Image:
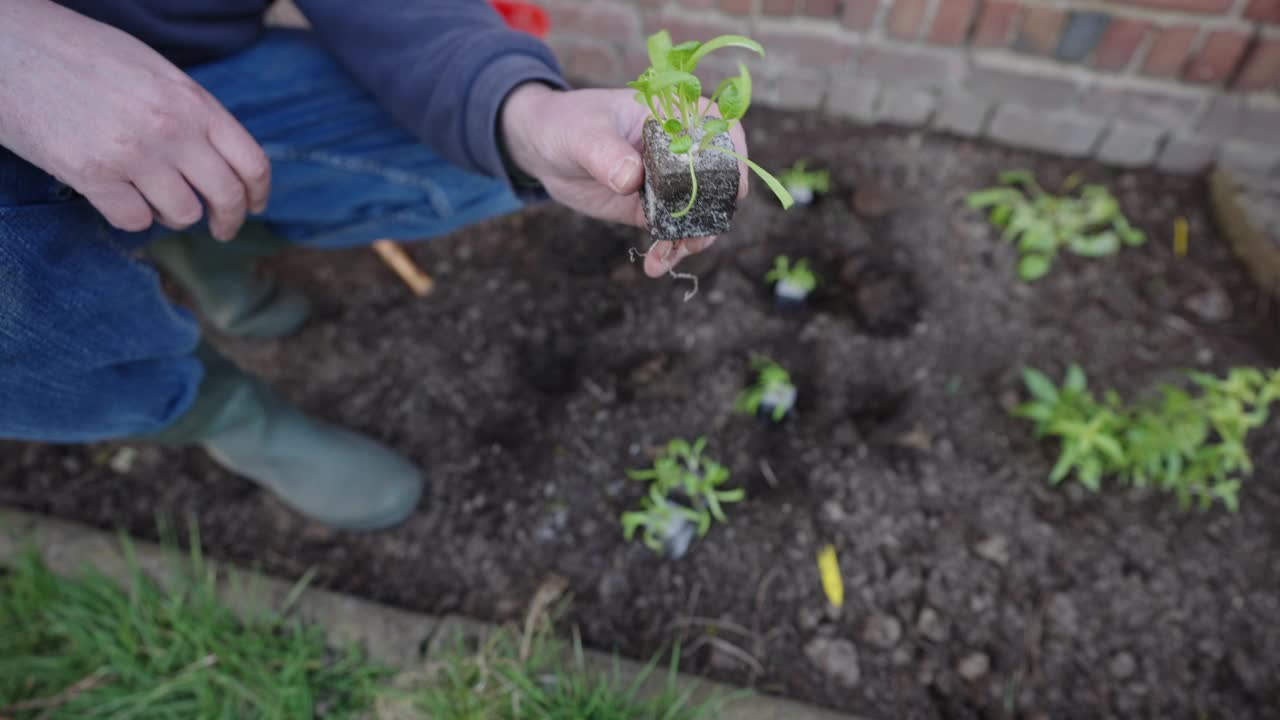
<point>805,185</point>
<point>1089,223</point>
<point>1193,445</point>
<point>691,167</point>
<point>772,395</point>
<point>684,496</point>
<point>791,283</point>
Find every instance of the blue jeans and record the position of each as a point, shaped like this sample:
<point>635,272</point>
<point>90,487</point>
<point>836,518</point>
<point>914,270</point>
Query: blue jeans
<point>91,349</point>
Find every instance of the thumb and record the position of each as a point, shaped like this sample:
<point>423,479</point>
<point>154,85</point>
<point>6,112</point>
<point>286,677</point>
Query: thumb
<point>612,161</point>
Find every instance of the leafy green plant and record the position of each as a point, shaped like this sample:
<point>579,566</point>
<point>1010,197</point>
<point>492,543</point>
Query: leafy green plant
<point>773,384</point>
<point>673,95</point>
<point>680,469</point>
<point>1192,445</point>
<point>799,275</point>
<point>799,177</point>
<point>1089,223</point>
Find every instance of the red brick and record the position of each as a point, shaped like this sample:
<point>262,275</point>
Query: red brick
<point>1262,69</point>
<point>699,4</point>
<point>859,14</point>
<point>611,21</point>
<point>652,3</point>
<point>1208,7</point>
<point>1267,11</point>
<point>952,21</point>
<point>1169,52</point>
<point>565,15</point>
<point>1219,57</point>
<point>820,8</point>
<point>996,24</point>
<point>780,8</point>
<point>597,64</point>
<point>801,47</point>
<point>684,28</point>
<point>737,7</point>
<point>1118,46</point>
<point>1040,29</point>
<point>906,18</point>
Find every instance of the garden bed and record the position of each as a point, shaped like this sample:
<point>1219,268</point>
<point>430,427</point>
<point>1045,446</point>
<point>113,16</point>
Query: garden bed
<point>545,365</point>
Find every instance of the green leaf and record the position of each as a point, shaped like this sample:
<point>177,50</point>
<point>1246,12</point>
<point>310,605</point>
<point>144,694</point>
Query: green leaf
<point>669,78</point>
<point>1038,239</point>
<point>681,144</point>
<point>673,126</point>
<point>1100,245</point>
<point>735,95</point>
<point>1075,380</point>
<point>994,196</point>
<point>1033,267</point>
<point>681,56</point>
<point>783,196</point>
<point>725,41</point>
<point>715,126</point>
<point>1040,386</point>
<point>1000,215</point>
<point>659,44</point>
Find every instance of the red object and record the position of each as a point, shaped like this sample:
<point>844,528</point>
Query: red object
<point>523,16</point>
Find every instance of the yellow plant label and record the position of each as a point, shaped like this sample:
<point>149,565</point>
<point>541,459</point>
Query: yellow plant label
<point>829,569</point>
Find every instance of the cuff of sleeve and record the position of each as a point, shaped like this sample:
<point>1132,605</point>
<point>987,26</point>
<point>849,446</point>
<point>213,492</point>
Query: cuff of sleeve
<point>489,91</point>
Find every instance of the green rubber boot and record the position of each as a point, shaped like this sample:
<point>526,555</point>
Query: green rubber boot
<point>221,280</point>
<point>331,475</point>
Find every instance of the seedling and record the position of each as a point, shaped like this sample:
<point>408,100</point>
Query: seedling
<point>791,283</point>
<point>1190,445</point>
<point>684,496</point>
<point>1088,224</point>
<point>680,133</point>
<point>805,185</point>
<point>772,395</point>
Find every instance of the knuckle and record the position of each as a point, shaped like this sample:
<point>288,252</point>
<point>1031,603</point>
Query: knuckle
<point>228,196</point>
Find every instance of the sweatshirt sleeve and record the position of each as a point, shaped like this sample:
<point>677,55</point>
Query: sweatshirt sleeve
<point>442,67</point>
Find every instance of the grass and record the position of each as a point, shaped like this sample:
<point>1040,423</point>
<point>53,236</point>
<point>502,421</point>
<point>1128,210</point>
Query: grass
<point>87,647</point>
<point>497,682</point>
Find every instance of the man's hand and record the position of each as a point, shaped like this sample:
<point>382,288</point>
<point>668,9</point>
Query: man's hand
<point>584,148</point>
<point>121,125</point>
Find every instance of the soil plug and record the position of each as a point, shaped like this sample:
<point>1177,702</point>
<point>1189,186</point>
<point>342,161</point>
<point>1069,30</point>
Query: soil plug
<point>670,180</point>
<point>684,497</point>
<point>791,283</point>
<point>691,167</point>
<point>772,395</point>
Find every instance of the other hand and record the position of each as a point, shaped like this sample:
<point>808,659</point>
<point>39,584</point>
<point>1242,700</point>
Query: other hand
<point>121,125</point>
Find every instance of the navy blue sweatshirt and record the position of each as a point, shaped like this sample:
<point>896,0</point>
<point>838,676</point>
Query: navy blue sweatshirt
<point>442,67</point>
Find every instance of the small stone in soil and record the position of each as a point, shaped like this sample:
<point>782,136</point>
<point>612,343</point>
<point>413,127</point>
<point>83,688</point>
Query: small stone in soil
<point>882,631</point>
<point>994,549</point>
<point>973,666</point>
<point>930,625</point>
<point>1063,616</point>
<point>1122,665</point>
<point>836,658</point>
<point>1211,306</point>
<point>668,186</point>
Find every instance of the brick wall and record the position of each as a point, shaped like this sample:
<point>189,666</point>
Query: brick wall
<point>1174,83</point>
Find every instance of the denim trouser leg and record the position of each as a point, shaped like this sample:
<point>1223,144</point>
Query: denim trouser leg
<point>89,346</point>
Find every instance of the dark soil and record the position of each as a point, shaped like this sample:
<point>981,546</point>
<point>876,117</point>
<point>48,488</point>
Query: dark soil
<point>545,364</point>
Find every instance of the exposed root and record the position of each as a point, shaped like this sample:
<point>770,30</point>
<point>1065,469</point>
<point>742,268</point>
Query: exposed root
<point>633,253</point>
<point>686,276</point>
